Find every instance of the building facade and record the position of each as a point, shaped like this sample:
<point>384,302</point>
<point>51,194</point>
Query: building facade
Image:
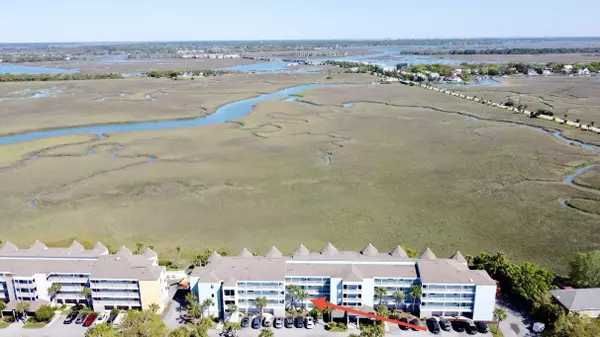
<point>122,280</point>
<point>348,278</point>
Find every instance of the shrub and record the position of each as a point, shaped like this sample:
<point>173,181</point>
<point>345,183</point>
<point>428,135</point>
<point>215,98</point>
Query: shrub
<point>235,325</point>
<point>342,325</point>
<point>115,311</point>
<point>331,325</point>
<point>44,314</point>
<point>316,313</point>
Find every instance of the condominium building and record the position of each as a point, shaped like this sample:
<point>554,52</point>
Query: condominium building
<point>122,280</point>
<point>349,278</point>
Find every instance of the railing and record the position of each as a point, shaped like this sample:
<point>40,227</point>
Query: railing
<point>116,303</point>
<point>451,291</point>
<point>395,284</point>
<point>115,294</point>
<point>446,308</point>
<point>447,299</point>
<point>62,279</point>
<point>261,288</point>
<point>114,286</point>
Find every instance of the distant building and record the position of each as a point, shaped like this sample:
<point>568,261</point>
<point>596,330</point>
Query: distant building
<point>454,79</point>
<point>434,76</point>
<point>585,71</point>
<point>532,72</point>
<point>457,71</point>
<point>546,72</point>
<point>567,68</point>
<point>585,302</point>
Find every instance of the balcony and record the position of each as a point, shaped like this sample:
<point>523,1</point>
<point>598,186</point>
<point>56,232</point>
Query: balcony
<point>253,287</point>
<point>66,279</point>
<point>124,286</point>
<point>105,302</point>
<point>449,291</point>
<point>446,308</point>
<point>447,299</point>
<point>117,294</point>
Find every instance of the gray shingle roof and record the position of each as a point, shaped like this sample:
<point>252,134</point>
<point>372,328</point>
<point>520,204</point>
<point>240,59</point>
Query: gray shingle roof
<point>245,253</point>
<point>369,250</point>
<point>447,271</point>
<point>273,252</point>
<point>399,252</point>
<point>301,251</point>
<point>458,257</point>
<point>329,250</point>
<point>428,254</point>
<point>578,299</point>
<point>214,257</point>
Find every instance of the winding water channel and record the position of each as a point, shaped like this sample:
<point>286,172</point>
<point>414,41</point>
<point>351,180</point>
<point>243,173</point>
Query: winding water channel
<point>239,109</point>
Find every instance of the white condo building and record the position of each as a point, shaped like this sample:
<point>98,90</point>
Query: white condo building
<point>122,280</point>
<point>347,278</point>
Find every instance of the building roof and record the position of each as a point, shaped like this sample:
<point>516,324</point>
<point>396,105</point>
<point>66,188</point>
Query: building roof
<point>329,250</point>
<point>447,271</point>
<point>273,252</point>
<point>39,259</point>
<point>245,253</point>
<point>369,250</point>
<point>399,252</point>
<point>578,299</point>
<point>301,251</point>
<point>214,257</point>
<point>428,254</point>
<point>458,257</point>
<point>241,268</point>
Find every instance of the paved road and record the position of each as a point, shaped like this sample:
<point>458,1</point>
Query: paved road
<point>516,324</point>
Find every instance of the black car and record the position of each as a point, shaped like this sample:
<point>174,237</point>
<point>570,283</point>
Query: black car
<point>433,326</point>
<point>403,320</point>
<point>471,328</point>
<point>245,322</point>
<point>278,322</point>
<point>289,322</point>
<point>81,318</point>
<point>445,324</point>
<point>299,322</point>
<point>459,326</point>
<point>415,322</point>
<point>112,317</point>
<point>267,322</point>
<point>71,317</point>
<point>482,327</point>
<point>256,323</point>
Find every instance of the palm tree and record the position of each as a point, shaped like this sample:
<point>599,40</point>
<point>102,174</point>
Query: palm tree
<point>380,292</point>
<point>194,310</point>
<point>327,311</point>
<point>266,333</point>
<point>53,290</point>
<point>232,308</point>
<point>302,296</point>
<point>398,296</point>
<point>22,307</point>
<point>154,307</point>
<point>292,291</point>
<point>500,315</point>
<point>191,298</point>
<point>2,307</point>
<point>207,303</point>
<point>86,293</point>
<point>178,249</point>
<point>139,246</point>
<point>414,293</point>
<point>592,123</point>
<point>260,303</point>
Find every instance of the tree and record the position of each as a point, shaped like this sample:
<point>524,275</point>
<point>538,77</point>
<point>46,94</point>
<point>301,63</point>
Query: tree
<point>375,330</point>
<point>572,325</point>
<point>302,296</point>
<point>191,298</point>
<point>530,280</point>
<point>398,297</point>
<point>382,310</point>
<point>500,315</point>
<point>201,328</point>
<point>260,303</point>
<point>207,303</point>
<point>2,307</point>
<point>44,313</point>
<point>327,311</point>
<point>138,247</point>
<point>101,330</point>
<point>585,269</point>
<point>179,332</point>
<point>178,249</point>
<point>86,293</point>
<point>22,307</point>
<point>194,310</point>
<point>232,308</point>
<point>414,293</point>
<point>266,333</point>
<point>411,252</point>
<point>292,291</point>
<point>143,323</point>
<point>380,292</point>
<point>154,307</point>
<point>53,290</point>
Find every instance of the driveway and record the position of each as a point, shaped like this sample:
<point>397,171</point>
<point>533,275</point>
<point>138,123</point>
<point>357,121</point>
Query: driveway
<point>57,329</point>
<point>175,309</point>
<point>517,323</point>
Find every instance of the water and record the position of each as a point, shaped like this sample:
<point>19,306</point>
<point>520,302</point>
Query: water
<point>348,105</point>
<point>225,113</point>
<point>569,179</point>
<point>150,98</point>
<point>270,67</point>
<point>487,81</point>
<point>32,94</point>
<point>10,68</point>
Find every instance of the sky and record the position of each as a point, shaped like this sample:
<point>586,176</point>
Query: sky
<point>199,20</point>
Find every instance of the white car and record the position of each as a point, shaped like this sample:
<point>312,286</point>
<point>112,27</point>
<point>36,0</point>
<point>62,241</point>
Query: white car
<point>102,318</point>
<point>119,319</point>
<point>309,323</point>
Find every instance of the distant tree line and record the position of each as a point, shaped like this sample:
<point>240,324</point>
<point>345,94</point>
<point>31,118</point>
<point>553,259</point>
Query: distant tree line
<point>506,51</point>
<point>22,58</point>
<point>112,76</point>
<point>174,73</point>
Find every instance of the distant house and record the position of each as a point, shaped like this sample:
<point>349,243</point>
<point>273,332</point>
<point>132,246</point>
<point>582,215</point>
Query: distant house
<point>532,72</point>
<point>454,79</point>
<point>457,71</point>
<point>546,72</point>
<point>584,71</point>
<point>354,69</point>
<point>434,76</point>
<point>421,75</point>
<point>585,302</point>
<point>567,68</point>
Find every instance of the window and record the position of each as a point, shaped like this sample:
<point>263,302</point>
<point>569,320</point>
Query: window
<point>212,295</point>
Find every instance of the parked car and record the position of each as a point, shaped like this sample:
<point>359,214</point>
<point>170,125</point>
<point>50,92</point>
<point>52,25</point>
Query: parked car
<point>278,322</point>
<point>299,320</point>
<point>403,320</point>
<point>71,317</point>
<point>267,322</point>
<point>289,322</point>
<point>482,327</point>
<point>433,326</point>
<point>102,317</point>
<point>309,323</point>
<point>256,322</point>
<point>471,328</point>
<point>459,326</point>
<point>245,322</point>
<point>416,323</point>
<point>112,317</point>
<point>81,318</point>
<point>445,324</point>
<point>91,318</point>
<point>120,317</point>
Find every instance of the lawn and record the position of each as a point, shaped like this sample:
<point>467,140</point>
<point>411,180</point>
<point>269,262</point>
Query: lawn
<point>493,327</point>
<point>4,325</point>
<point>337,329</point>
<point>387,175</point>
<point>37,325</point>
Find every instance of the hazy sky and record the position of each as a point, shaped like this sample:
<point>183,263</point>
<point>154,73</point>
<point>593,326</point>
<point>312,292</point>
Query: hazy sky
<point>152,20</point>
